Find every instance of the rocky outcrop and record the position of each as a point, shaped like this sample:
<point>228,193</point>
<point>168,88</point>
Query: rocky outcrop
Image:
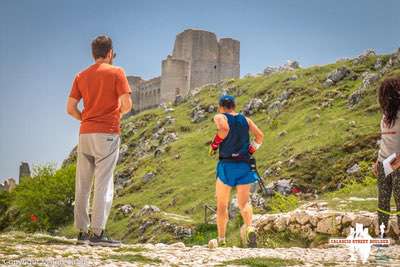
<point>289,66</point>
<point>368,80</point>
<point>336,76</point>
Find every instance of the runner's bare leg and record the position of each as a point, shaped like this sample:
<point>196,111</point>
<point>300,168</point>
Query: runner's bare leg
<point>222,193</point>
<point>243,193</point>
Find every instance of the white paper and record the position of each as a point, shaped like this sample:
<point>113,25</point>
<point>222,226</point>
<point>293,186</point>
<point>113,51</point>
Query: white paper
<point>387,167</point>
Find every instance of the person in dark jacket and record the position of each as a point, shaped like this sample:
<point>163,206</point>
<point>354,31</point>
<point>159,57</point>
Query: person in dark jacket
<point>233,169</point>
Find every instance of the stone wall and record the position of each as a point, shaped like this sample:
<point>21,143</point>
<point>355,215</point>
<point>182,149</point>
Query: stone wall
<point>145,94</point>
<point>315,218</point>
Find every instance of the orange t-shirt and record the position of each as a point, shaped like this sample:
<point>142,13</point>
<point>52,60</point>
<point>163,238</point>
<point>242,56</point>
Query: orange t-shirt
<point>100,86</point>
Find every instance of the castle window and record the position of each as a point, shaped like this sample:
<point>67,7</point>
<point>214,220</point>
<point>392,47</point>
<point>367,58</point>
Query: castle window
<point>215,67</point>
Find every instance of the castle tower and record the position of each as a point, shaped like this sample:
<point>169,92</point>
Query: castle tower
<point>229,58</point>
<point>24,171</point>
<point>198,58</point>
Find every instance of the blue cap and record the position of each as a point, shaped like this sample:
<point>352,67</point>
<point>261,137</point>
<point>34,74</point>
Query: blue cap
<point>226,98</point>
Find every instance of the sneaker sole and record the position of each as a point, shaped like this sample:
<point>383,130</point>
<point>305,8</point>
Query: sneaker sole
<point>104,244</point>
<point>252,240</point>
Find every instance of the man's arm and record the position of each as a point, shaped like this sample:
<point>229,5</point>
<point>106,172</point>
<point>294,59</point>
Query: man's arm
<point>72,108</point>
<point>125,103</point>
<point>222,125</point>
<point>222,132</point>
<point>258,134</point>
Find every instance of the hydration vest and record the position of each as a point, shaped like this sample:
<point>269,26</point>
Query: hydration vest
<point>236,144</point>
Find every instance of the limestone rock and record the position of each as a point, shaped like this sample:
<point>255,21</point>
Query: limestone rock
<point>126,209</point>
<point>169,138</point>
<point>148,177</point>
<point>149,209</point>
<point>285,95</point>
<point>198,114</point>
<point>353,169</point>
<point>253,106</point>
<point>337,75</point>
<point>327,226</point>
<point>275,107</point>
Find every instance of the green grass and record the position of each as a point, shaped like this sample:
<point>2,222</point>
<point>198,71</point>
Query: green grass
<point>263,262</point>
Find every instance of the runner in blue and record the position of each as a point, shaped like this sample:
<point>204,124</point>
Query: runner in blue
<point>233,169</point>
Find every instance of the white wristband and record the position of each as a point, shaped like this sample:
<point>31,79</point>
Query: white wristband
<point>256,145</point>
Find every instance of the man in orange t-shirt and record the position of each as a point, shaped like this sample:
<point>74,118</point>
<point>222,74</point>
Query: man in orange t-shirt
<point>106,97</point>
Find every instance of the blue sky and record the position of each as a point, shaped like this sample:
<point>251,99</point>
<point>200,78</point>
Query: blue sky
<point>44,43</point>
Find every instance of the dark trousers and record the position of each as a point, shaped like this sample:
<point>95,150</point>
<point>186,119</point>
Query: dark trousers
<point>387,185</point>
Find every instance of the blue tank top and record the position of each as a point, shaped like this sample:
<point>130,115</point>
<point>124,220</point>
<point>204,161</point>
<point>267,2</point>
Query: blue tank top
<point>236,144</point>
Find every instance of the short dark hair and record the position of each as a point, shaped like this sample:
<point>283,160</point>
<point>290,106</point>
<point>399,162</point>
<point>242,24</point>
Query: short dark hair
<point>101,45</point>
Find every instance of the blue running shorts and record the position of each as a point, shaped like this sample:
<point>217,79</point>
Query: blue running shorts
<point>235,173</point>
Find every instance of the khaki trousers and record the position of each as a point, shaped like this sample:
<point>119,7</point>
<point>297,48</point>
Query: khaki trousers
<point>97,158</point>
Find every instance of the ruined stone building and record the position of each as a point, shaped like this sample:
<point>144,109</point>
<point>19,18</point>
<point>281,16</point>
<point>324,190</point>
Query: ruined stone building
<point>24,171</point>
<point>198,58</point>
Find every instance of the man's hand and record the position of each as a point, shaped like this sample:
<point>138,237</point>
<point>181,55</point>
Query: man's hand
<point>253,147</point>
<point>211,152</point>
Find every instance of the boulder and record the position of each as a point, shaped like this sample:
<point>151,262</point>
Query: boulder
<point>285,95</point>
<point>148,177</point>
<point>370,78</point>
<point>283,186</point>
<point>365,55</point>
<point>198,115</point>
<point>126,209</point>
<point>211,109</point>
<point>275,107</point>
<point>353,169</point>
<point>169,138</point>
<point>292,64</point>
<point>253,106</point>
<point>123,152</point>
<point>338,74</point>
<point>149,209</point>
<point>257,201</point>
<point>378,64</point>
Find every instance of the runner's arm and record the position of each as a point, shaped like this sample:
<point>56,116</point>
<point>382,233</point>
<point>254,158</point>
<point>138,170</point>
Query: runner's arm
<point>258,134</point>
<point>222,125</point>
<point>72,108</point>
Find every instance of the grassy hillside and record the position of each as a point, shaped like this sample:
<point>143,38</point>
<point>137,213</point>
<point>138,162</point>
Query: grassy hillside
<point>313,138</point>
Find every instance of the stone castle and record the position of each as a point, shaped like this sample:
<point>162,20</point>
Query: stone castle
<point>198,58</point>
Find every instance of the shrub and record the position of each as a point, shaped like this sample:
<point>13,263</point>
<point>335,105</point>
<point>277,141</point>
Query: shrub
<point>281,203</point>
<point>45,201</point>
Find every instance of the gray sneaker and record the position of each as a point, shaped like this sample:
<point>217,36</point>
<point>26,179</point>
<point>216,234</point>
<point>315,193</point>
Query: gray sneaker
<point>83,238</point>
<point>103,240</point>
